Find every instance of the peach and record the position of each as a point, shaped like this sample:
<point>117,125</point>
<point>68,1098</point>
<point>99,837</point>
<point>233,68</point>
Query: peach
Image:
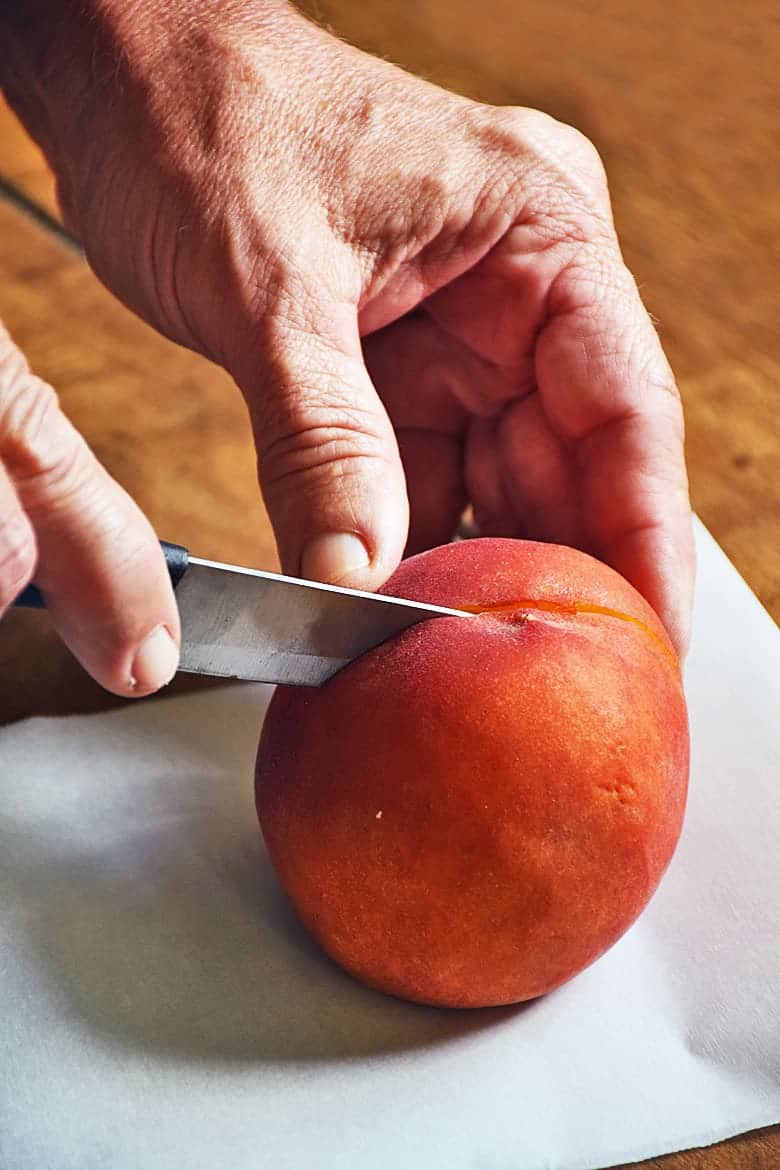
<point>473,812</point>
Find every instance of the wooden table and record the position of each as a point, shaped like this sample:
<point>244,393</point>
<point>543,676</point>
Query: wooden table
<point>680,97</point>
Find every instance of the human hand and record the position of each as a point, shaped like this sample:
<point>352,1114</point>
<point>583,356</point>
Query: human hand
<point>94,555</point>
<point>416,293</point>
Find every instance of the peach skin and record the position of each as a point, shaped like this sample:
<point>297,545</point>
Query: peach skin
<point>473,812</point>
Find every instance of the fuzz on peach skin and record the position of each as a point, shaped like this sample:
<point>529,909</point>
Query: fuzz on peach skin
<point>473,812</point>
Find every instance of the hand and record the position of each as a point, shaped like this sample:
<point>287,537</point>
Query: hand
<point>93,553</point>
<point>418,295</point>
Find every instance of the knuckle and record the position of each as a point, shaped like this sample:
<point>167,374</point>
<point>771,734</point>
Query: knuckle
<point>569,179</point>
<point>47,456</point>
<point>556,169</point>
<point>506,140</point>
<point>536,137</point>
<point>577,148</point>
<point>30,413</point>
<point>13,369</point>
<point>562,145</point>
<point>67,477</point>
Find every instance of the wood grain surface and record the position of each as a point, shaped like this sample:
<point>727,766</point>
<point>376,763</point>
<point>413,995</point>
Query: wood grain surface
<point>680,98</point>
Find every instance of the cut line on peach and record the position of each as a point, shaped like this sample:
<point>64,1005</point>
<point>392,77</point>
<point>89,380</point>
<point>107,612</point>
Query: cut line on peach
<point>573,609</point>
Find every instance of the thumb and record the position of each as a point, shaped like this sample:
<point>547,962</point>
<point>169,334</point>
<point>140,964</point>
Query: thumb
<point>329,465</point>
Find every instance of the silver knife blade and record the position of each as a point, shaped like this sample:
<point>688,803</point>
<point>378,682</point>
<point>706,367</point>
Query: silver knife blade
<point>253,625</point>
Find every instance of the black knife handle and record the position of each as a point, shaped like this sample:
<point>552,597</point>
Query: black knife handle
<point>176,558</point>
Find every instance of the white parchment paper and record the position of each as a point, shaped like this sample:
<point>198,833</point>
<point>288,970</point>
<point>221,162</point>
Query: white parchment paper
<point>161,1008</point>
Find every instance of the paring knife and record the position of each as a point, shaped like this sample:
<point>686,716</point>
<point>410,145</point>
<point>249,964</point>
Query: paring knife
<point>247,624</point>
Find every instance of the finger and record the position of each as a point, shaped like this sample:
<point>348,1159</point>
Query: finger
<point>433,464</point>
<point>17,544</point>
<point>607,388</point>
<point>329,464</point>
<point>99,565</point>
<point>538,474</point>
<point>417,372</point>
<point>494,512</point>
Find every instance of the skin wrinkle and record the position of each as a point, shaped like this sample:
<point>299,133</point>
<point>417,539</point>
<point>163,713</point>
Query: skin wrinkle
<point>584,179</point>
<point>65,476</point>
<point>165,287</point>
<point>317,445</point>
<point>13,366</point>
<point>333,465</point>
<point>17,554</point>
<point>587,282</point>
<point>26,421</point>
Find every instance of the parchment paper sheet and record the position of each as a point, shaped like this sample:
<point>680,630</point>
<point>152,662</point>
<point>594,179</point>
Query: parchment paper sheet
<point>160,1007</point>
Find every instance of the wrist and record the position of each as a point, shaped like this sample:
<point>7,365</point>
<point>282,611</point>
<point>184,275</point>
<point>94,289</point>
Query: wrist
<point>65,62</point>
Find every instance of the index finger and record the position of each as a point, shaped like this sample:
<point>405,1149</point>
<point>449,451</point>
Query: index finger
<point>608,391</point>
<point>96,558</point>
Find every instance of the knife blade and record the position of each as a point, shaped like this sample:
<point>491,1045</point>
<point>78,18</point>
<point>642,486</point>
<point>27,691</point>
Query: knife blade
<point>266,627</point>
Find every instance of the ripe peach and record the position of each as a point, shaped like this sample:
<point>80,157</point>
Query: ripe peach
<point>473,812</point>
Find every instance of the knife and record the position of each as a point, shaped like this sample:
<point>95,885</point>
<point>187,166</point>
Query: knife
<point>264,627</point>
